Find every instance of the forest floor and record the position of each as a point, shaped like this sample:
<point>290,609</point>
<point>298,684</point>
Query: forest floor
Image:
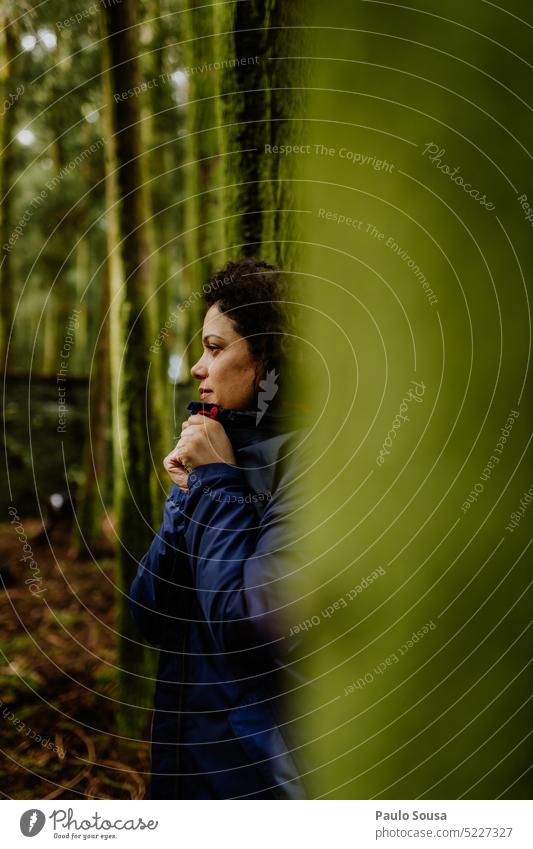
<point>58,677</point>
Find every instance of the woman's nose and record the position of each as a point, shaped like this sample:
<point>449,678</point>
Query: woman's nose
<point>199,371</point>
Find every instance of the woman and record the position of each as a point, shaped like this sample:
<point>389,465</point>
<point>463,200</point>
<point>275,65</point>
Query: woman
<point>213,590</point>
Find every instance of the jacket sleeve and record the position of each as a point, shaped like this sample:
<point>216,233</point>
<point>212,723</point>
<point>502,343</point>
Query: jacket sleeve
<point>243,565</point>
<point>154,591</point>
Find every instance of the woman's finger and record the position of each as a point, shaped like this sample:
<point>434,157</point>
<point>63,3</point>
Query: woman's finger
<point>205,421</point>
<point>173,459</point>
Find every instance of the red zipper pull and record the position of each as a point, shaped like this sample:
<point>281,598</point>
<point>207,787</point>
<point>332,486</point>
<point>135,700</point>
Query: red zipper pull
<point>212,413</point>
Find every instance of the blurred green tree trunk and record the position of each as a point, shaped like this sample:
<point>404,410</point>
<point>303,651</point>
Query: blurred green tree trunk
<point>422,684</point>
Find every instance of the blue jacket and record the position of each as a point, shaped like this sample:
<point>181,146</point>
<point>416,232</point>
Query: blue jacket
<point>214,592</point>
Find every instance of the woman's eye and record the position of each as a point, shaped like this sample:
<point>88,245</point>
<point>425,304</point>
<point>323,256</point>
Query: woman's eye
<point>212,348</point>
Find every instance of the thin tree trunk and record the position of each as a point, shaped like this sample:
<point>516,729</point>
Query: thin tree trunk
<point>81,363</point>
<point>49,360</point>
<point>60,302</point>
<point>90,510</point>
<point>8,53</point>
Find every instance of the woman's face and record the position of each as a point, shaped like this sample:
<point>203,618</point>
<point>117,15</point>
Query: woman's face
<point>226,369</point>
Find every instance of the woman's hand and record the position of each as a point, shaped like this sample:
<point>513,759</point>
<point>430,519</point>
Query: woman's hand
<point>203,440</point>
<point>176,470</point>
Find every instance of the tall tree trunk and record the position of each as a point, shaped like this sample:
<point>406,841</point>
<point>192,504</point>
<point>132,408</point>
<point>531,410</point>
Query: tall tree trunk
<point>132,402</point>
<point>153,105</point>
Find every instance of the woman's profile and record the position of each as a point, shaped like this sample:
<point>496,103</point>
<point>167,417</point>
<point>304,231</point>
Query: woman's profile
<point>212,590</point>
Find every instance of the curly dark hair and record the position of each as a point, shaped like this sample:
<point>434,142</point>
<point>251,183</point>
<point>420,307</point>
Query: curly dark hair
<point>251,293</point>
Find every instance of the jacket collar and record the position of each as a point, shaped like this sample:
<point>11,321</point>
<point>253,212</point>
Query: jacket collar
<point>242,426</point>
<point>235,418</point>
<point>246,427</point>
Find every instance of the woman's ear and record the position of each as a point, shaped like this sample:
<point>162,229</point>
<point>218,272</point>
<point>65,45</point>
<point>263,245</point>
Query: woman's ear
<point>260,374</point>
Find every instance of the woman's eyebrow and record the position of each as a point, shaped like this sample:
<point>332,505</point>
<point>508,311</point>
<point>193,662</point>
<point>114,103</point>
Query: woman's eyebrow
<point>208,336</point>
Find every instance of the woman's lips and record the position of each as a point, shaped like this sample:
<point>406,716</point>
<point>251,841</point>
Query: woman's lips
<point>204,392</point>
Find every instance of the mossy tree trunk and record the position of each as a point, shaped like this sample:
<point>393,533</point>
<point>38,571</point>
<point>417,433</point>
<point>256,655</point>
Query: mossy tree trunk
<point>286,71</point>
<point>203,208</point>
<point>132,401</point>
<point>260,96</point>
<point>154,106</point>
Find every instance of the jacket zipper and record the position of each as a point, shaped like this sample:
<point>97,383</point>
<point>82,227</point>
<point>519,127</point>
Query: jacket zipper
<point>179,781</point>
